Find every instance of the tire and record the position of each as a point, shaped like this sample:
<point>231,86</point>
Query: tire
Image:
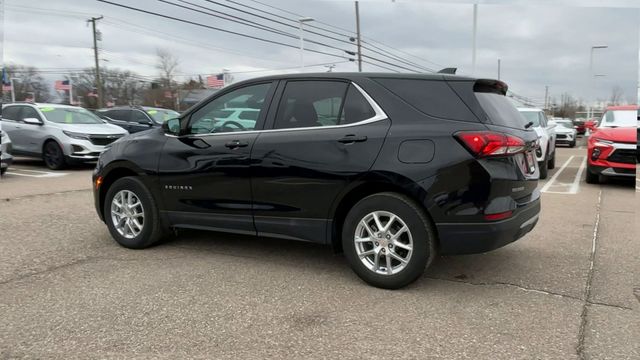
<point>420,238</point>
<point>152,230</point>
<point>551,163</point>
<point>544,170</point>
<point>572,144</point>
<point>2,171</point>
<point>53,156</point>
<point>592,178</point>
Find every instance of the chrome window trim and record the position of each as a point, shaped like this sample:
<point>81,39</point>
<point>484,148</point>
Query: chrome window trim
<point>379,115</point>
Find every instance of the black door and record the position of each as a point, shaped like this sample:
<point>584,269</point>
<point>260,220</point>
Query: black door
<point>325,135</point>
<point>204,176</point>
<point>140,121</point>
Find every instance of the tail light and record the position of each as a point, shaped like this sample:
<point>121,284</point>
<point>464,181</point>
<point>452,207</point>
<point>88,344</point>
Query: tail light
<point>489,143</point>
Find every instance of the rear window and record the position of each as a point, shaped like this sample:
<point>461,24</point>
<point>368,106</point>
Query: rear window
<point>432,97</point>
<point>500,110</point>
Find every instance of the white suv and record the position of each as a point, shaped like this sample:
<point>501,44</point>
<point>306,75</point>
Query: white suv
<point>546,152</point>
<point>59,134</point>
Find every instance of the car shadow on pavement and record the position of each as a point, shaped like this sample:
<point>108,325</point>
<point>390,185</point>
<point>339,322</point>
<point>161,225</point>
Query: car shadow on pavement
<point>38,164</point>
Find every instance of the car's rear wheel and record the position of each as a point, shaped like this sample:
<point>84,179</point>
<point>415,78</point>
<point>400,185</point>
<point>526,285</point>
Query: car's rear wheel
<point>551,163</point>
<point>53,156</point>
<point>131,214</point>
<point>544,170</point>
<point>388,240</point>
<point>592,178</point>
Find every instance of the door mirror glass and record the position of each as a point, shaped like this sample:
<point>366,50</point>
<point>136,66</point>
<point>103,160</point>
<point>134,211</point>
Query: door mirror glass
<point>32,121</point>
<point>171,126</point>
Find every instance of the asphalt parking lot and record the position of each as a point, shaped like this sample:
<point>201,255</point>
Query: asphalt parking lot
<point>570,289</point>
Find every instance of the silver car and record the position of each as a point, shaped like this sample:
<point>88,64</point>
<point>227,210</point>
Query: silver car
<point>5,151</point>
<point>59,134</point>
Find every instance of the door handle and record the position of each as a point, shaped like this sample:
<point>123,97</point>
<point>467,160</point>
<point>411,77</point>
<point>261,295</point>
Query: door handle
<point>349,139</point>
<point>236,144</point>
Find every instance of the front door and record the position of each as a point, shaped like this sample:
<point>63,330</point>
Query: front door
<point>326,134</point>
<point>205,174</point>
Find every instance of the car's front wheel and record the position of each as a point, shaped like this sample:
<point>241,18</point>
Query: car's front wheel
<point>592,178</point>
<point>551,163</point>
<point>131,214</point>
<point>388,240</point>
<point>53,156</point>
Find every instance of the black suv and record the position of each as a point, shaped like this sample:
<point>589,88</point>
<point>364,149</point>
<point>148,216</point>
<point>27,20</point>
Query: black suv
<point>389,169</point>
<point>136,118</point>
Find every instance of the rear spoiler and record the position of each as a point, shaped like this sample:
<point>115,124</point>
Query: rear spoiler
<point>490,86</point>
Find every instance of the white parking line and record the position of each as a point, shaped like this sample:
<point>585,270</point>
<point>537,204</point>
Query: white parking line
<point>575,186</point>
<point>35,173</point>
<point>555,176</point>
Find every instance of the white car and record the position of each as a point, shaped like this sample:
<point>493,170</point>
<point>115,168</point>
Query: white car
<point>5,151</point>
<point>566,133</point>
<point>58,134</point>
<point>546,151</point>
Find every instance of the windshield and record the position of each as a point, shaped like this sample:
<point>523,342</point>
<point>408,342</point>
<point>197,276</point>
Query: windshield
<point>620,118</point>
<point>567,124</point>
<point>531,116</point>
<point>70,115</point>
<point>162,115</point>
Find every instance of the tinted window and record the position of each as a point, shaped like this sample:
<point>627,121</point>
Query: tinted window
<point>216,116</point>
<point>356,107</point>
<point>29,112</point>
<point>432,97</point>
<point>500,110</point>
<point>140,117</point>
<point>10,112</point>
<point>123,115</point>
<point>310,103</point>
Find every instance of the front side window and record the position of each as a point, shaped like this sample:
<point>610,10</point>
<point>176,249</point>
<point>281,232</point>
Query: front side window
<point>221,114</point>
<point>162,115</point>
<point>140,117</point>
<point>29,112</point>
<point>69,115</point>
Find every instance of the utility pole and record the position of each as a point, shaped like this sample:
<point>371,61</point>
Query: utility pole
<point>95,54</point>
<point>546,97</point>
<point>474,36</point>
<point>358,37</point>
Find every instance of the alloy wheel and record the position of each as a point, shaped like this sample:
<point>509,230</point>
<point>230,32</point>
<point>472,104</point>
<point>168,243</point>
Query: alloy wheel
<point>127,214</point>
<point>383,242</point>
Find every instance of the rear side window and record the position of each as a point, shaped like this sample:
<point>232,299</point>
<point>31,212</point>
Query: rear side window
<point>123,115</point>
<point>432,97</point>
<point>356,108</point>
<point>10,112</point>
<point>310,104</point>
<point>500,110</point>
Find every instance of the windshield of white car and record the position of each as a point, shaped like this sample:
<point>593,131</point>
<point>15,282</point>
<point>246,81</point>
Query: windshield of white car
<point>70,115</point>
<point>620,118</point>
<point>531,116</point>
<point>567,124</point>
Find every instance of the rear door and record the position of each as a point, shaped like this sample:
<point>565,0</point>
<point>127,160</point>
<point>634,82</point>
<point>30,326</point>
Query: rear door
<point>323,135</point>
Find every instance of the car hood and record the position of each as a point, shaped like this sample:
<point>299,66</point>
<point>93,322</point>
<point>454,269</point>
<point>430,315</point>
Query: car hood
<point>93,129</point>
<point>622,134</point>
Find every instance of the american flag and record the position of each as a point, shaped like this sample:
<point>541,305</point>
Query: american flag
<point>215,81</point>
<point>6,87</point>
<point>62,85</point>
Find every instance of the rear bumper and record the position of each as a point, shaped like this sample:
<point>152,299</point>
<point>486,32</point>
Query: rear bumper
<point>473,238</point>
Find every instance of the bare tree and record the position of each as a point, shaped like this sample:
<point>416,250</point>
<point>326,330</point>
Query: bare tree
<point>28,82</point>
<point>616,95</point>
<point>167,65</point>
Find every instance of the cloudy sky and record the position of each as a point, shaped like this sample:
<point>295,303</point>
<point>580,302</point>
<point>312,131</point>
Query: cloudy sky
<point>539,42</point>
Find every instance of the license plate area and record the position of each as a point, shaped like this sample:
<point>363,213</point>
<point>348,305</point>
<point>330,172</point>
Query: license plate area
<point>530,162</point>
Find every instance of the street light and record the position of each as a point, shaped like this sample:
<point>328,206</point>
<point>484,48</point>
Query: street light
<point>301,21</point>
<point>592,75</point>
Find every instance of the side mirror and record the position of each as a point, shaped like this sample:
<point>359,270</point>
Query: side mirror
<point>171,126</point>
<point>32,121</point>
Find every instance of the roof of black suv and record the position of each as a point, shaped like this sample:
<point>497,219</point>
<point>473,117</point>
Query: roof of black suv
<point>356,75</point>
<point>129,107</point>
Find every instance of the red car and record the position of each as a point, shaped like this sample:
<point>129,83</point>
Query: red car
<point>613,145</point>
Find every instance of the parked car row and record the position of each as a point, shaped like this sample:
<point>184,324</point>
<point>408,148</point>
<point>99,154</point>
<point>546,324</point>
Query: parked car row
<point>5,151</point>
<point>546,149</point>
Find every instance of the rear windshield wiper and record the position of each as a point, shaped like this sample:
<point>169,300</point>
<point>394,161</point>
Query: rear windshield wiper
<point>528,125</point>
